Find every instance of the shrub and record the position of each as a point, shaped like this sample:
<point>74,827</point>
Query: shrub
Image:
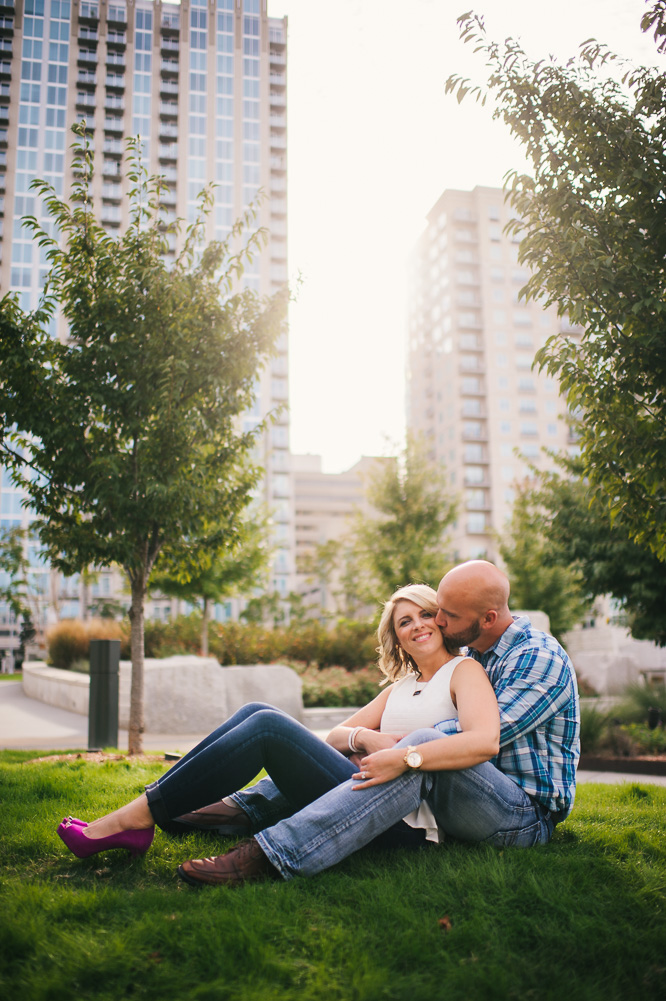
<point>637,700</point>
<point>69,640</point>
<point>646,741</point>
<point>593,729</point>
<point>336,687</point>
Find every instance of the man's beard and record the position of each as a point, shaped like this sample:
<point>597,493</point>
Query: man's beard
<point>466,637</point>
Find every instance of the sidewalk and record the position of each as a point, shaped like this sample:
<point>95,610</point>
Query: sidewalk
<point>26,724</point>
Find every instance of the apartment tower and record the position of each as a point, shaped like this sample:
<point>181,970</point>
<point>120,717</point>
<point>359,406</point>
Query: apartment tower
<point>203,83</point>
<point>472,391</point>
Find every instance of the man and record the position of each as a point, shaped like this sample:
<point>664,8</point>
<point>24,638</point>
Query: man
<point>516,798</point>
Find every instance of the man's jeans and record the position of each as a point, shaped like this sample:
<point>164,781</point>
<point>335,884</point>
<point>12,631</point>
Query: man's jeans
<point>478,804</point>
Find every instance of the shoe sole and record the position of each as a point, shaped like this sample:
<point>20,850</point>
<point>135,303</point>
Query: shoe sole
<point>190,879</point>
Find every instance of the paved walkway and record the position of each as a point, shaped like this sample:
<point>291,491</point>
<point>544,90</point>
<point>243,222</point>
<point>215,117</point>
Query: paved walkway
<point>26,724</point>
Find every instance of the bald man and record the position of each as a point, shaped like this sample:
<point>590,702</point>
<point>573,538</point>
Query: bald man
<point>516,798</point>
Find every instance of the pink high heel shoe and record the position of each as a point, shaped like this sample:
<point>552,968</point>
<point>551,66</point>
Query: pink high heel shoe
<point>136,842</point>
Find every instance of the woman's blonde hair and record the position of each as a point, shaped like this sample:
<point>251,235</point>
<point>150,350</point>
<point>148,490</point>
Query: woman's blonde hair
<point>393,661</point>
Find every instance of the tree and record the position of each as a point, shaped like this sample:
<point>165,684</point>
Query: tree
<point>403,540</point>
<point>593,224</point>
<point>15,592</point>
<point>541,578</point>
<point>216,573</point>
<point>577,524</point>
<point>125,435</point>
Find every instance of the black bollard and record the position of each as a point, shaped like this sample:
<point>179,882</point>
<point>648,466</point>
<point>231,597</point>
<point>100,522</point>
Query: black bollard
<point>103,700</point>
<point>654,717</point>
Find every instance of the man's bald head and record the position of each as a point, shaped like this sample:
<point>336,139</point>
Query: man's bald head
<point>474,604</point>
<point>480,584</point>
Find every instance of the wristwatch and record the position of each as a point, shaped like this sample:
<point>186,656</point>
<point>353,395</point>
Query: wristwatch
<point>413,758</point>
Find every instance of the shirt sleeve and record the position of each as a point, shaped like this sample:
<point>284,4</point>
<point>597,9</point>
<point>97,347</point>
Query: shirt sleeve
<point>449,727</point>
<point>533,688</point>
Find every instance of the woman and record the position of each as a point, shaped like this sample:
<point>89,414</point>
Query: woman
<point>430,684</point>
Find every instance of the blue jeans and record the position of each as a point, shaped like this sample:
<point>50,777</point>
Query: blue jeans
<point>301,766</point>
<point>478,804</point>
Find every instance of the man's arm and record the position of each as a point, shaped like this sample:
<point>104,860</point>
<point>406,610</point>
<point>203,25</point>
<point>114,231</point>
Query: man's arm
<point>533,688</point>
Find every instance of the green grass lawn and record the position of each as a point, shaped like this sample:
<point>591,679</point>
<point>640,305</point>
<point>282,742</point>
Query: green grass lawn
<point>582,918</point>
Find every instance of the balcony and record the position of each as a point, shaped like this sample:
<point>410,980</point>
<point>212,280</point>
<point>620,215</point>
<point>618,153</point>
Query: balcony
<point>168,197</point>
<point>112,191</point>
<point>277,58</point>
<point>112,147</point>
<point>168,151</point>
<point>169,66</point>
<point>114,102</point>
<point>278,141</point>
<point>169,109</point>
<point>87,56</point>
<point>88,34</point>
<point>6,25</point>
<point>170,174</point>
<point>278,100</point>
<point>86,79</point>
<point>113,125</point>
<point>168,129</point>
<point>5,68</point>
<point>169,44</point>
<point>111,168</point>
<point>111,214</point>
<point>85,100</point>
<point>116,38</point>
<point>115,80</point>
<point>278,121</point>
<point>169,87</point>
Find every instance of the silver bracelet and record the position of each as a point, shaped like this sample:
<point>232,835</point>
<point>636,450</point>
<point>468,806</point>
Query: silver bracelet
<point>352,738</point>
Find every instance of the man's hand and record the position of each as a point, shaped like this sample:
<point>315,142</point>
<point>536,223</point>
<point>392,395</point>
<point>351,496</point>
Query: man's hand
<point>380,767</point>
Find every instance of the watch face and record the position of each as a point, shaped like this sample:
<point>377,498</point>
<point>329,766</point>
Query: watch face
<point>414,759</point>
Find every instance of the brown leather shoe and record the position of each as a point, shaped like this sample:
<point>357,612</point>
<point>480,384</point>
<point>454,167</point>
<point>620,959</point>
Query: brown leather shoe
<point>244,863</point>
<point>218,818</point>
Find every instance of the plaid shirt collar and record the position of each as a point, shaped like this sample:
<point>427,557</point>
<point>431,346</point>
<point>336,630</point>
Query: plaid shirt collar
<point>513,634</point>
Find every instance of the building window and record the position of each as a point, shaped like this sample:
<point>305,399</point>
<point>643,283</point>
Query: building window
<point>476,523</point>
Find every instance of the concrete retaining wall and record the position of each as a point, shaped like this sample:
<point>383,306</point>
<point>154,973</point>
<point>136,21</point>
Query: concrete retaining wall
<point>181,694</point>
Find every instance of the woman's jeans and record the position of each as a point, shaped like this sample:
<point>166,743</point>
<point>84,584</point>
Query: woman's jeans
<point>302,767</point>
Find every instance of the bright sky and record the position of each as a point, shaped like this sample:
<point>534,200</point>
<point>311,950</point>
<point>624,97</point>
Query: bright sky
<point>373,141</point>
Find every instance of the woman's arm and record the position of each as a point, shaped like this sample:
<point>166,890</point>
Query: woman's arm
<point>479,741</point>
<point>368,738</point>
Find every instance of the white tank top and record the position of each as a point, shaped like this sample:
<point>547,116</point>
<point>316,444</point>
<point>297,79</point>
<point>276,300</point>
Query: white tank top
<point>412,705</point>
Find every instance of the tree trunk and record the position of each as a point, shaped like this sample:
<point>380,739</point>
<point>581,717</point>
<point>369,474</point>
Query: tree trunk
<point>204,629</point>
<point>135,741</point>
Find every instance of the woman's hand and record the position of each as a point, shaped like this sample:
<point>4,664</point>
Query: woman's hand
<point>369,741</point>
<point>375,742</point>
<point>380,767</point>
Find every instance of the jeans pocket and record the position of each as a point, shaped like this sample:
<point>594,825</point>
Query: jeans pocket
<point>535,833</point>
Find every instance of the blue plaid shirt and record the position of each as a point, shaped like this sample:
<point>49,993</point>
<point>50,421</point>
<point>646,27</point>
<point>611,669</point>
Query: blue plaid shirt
<point>537,694</point>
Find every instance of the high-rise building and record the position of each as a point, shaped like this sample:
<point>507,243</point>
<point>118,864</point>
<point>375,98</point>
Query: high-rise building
<point>203,83</point>
<point>472,391</point>
<point>324,508</point>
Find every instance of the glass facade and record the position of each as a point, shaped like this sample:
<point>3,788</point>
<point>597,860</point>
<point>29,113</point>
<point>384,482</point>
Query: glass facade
<point>204,86</point>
